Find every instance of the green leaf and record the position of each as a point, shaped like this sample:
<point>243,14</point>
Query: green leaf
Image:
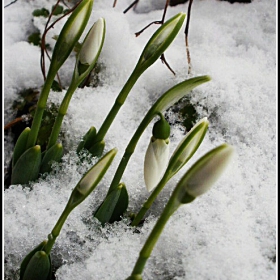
<point>41,12</point>
<point>97,148</point>
<point>28,257</point>
<point>57,10</point>
<point>27,167</point>
<point>35,38</point>
<point>89,137</point>
<point>19,148</point>
<point>38,268</point>
<point>114,206</point>
<point>56,86</point>
<point>54,153</point>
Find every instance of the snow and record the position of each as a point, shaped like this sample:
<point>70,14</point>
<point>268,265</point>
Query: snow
<point>228,233</point>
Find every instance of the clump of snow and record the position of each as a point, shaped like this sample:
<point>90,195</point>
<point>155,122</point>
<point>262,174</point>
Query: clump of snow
<point>228,233</point>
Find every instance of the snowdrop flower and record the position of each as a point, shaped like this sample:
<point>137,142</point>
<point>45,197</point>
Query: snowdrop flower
<point>156,161</point>
<point>161,40</point>
<point>71,32</point>
<point>93,42</point>
<point>204,173</point>
<point>188,145</point>
<point>94,175</point>
<point>157,155</point>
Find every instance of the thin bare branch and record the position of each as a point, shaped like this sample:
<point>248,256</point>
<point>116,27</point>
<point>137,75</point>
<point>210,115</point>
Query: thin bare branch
<point>163,60</point>
<point>115,3</point>
<point>186,36</point>
<point>17,120</point>
<point>154,22</point>
<point>10,3</point>
<point>130,6</point>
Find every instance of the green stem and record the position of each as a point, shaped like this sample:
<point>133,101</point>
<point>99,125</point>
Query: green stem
<point>118,104</point>
<point>41,105</point>
<point>147,249</point>
<point>147,205</point>
<point>57,228</point>
<point>130,150</point>
<point>61,113</point>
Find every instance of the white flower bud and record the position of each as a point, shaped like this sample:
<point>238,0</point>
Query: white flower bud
<point>94,175</point>
<point>93,42</point>
<point>156,161</point>
<point>188,145</point>
<point>205,172</point>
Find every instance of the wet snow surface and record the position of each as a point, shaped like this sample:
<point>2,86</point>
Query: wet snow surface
<point>228,233</point>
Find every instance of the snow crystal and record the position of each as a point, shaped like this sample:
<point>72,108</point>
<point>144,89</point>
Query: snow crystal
<point>228,233</point>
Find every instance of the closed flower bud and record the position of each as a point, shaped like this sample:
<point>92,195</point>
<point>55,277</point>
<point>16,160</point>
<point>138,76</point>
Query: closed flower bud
<point>94,175</point>
<point>156,161</point>
<point>204,173</point>
<point>161,40</point>
<point>93,43</point>
<point>188,145</point>
<point>71,32</point>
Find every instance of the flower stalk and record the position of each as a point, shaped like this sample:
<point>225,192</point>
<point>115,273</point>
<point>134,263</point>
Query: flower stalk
<point>68,37</point>
<point>158,43</point>
<point>184,151</point>
<point>37,264</point>
<point>197,180</point>
<point>166,100</point>
<point>85,62</point>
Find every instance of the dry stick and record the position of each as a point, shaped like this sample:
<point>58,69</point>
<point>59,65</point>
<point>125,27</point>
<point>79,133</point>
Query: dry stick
<point>10,3</point>
<point>115,3</point>
<point>16,120</point>
<point>186,37</point>
<point>157,21</point>
<point>130,6</point>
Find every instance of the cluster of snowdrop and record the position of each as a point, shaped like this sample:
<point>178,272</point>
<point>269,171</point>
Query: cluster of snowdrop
<point>29,161</point>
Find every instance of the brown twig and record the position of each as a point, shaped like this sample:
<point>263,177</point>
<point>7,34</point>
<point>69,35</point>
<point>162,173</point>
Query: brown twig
<point>155,22</point>
<point>10,3</point>
<point>15,121</point>
<point>115,3</point>
<point>162,57</point>
<point>130,6</point>
<point>186,36</point>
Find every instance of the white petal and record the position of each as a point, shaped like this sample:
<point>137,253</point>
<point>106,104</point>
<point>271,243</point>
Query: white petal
<point>92,43</point>
<point>156,161</point>
<point>77,23</point>
<point>192,144</point>
<point>206,171</point>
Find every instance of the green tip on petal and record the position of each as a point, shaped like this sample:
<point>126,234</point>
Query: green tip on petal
<point>204,173</point>
<point>161,129</point>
